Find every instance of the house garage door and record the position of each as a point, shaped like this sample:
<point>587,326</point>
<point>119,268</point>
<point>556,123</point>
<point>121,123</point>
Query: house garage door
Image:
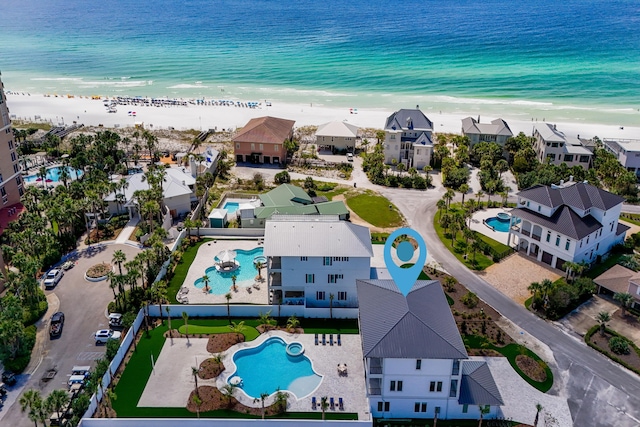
<point>560,264</point>
<point>547,258</point>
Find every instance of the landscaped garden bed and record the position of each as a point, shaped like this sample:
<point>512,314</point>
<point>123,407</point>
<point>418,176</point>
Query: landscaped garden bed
<point>98,272</point>
<point>601,342</point>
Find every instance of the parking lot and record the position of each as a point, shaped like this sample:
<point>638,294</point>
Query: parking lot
<point>84,304</point>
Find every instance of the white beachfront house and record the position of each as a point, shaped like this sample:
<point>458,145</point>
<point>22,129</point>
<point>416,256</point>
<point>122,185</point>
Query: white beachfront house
<point>178,191</point>
<point>573,221</point>
<point>497,131</point>
<point>315,260</point>
<point>555,147</point>
<point>416,364</point>
<point>408,139</point>
<point>627,151</point>
<point>337,136</point>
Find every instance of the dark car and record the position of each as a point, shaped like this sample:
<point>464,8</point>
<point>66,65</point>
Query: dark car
<point>57,323</point>
<point>9,378</point>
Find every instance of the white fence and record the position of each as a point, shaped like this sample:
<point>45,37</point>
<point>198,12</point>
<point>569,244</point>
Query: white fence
<point>230,232</point>
<point>251,311</point>
<point>157,422</point>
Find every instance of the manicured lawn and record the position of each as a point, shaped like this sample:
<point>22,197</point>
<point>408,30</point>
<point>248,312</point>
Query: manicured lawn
<point>630,218</point>
<point>250,333</point>
<point>182,269</point>
<point>499,247</point>
<point>481,260</point>
<point>374,209</point>
<point>604,265</point>
<point>511,351</point>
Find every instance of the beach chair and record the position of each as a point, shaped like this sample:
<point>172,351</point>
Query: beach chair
<point>331,339</point>
<point>324,339</point>
<point>316,339</point>
<point>332,404</point>
<point>314,403</point>
<point>339,341</point>
<point>340,404</point>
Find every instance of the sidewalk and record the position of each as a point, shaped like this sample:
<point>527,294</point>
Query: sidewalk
<point>127,231</point>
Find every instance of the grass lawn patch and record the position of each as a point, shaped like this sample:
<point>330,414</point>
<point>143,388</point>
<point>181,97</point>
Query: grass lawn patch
<point>180,273</point>
<point>481,260</point>
<point>497,246</point>
<point>375,209</point>
<point>600,268</point>
<point>599,342</point>
<point>630,218</point>
<point>250,333</point>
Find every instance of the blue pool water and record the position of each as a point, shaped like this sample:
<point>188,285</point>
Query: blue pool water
<point>266,368</point>
<point>53,174</point>
<point>231,207</point>
<point>220,283</point>
<point>498,224</point>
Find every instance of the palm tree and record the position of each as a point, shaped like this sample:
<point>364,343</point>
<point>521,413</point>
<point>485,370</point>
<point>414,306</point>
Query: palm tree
<point>263,397</point>
<point>603,318</point>
<point>546,286</point>
<point>185,317</point>
<point>168,321</point>
<point>205,279</point>
<point>237,328</point>
<point>483,411</point>
<point>475,247</point>
<point>479,195</point>
<point>464,189</point>
<point>535,288</point>
<point>538,409</point>
<point>570,268</point>
<point>31,401</point>
<point>441,205</point>
<point>293,323</point>
<point>259,266</point>
<point>331,297</point>
<point>197,401</point>
<point>324,405</point>
<point>57,400</point>
<point>227,392</point>
<point>233,281</point>
<point>118,258</point>
<point>625,299</point>
<point>448,196</point>
<point>194,372</point>
<point>228,298</point>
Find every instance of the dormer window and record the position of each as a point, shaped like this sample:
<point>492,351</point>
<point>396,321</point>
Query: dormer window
<point>587,211</point>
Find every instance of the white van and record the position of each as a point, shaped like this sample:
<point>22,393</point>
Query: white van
<point>76,379</point>
<point>349,157</point>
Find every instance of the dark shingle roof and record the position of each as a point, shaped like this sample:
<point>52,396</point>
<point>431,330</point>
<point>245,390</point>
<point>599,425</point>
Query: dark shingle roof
<point>400,118</point>
<point>579,195</point>
<point>477,386</point>
<point>268,130</point>
<point>615,279</point>
<point>564,221</point>
<point>419,326</point>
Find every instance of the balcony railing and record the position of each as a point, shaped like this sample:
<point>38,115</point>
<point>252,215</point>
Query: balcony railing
<point>526,232</point>
<point>275,263</point>
<point>276,279</point>
<point>375,387</point>
<point>535,237</point>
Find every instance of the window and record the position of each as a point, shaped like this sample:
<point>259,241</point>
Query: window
<point>399,385</point>
<point>320,296</point>
<point>304,258</point>
<point>420,407</point>
<point>10,144</point>
<point>554,144</point>
<point>597,246</point>
<point>393,137</point>
<point>418,364</point>
<point>558,240</point>
<point>342,296</point>
<point>340,258</point>
<point>455,370</point>
<point>528,203</point>
<point>611,227</point>
<point>253,146</point>
<point>437,410</point>
<point>568,157</point>
<point>392,387</point>
<point>432,386</point>
<point>261,147</point>
<point>539,208</point>
<point>276,148</point>
<point>465,409</point>
<point>395,386</point>
<point>238,146</point>
<point>453,391</point>
<point>551,157</point>
<point>566,245</point>
<point>310,278</point>
<point>3,192</point>
<point>333,278</point>
<point>327,261</point>
<point>584,159</point>
<point>20,191</point>
<point>18,180</point>
<point>548,236</point>
<point>439,386</point>
<point>16,168</point>
<point>383,406</point>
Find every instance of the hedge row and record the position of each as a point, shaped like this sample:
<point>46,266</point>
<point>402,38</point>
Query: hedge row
<point>594,329</point>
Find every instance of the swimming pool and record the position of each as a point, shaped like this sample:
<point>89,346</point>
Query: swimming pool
<point>498,224</point>
<point>220,282</point>
<point>231,207</point>
<point>53,174</point>
<point>267,367</point>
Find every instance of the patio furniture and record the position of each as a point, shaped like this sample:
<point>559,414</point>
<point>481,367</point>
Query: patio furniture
<point>314,402</point>
<point>331,339</point>
<point>324,339</point>
<point>256,285</point>
<point>332,403</point>
<point>339,341</point>
<point>316,339</point>
<point>340,404</point>
<point>342,369</point>
<point>248,290</point>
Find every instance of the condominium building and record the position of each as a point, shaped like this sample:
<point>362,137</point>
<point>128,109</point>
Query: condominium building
<point>10,180</point>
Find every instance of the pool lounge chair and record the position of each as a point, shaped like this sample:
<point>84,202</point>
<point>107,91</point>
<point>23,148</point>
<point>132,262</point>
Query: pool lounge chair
<point>313,402</point>
<point>316,339</point>
<point>332,404</point>
<point>339,341</point>
<point>340,404</point>
<point>324,339</point>
<point>331,339</point>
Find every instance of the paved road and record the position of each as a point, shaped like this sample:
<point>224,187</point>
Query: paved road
<point>600,393</point>
<point>84,304</point>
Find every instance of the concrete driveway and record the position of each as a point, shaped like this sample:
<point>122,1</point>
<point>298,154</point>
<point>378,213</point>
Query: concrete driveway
<point>84,304</point>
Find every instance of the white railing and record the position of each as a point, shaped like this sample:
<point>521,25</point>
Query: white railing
<point>250,311</point>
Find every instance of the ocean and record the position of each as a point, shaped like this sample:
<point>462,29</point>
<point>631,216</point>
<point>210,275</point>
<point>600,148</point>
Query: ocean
<point>574,60</point>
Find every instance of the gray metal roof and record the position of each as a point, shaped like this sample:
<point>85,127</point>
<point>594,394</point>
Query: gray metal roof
<point>580,195</point>
<point>419,326</point>
<point>402,118</point>
<point>496,127</point>
<point>478,386</point>
<point>316,235</point>
<point>549,133</point>
<point>564,221</point>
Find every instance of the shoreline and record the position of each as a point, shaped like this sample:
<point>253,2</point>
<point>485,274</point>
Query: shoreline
<point>194,115</point>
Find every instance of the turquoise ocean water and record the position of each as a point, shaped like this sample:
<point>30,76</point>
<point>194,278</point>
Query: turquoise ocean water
<point>575,60</point>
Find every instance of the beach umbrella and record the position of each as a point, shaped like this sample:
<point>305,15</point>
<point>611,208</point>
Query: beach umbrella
<point>39,179</point>
<point>227,255</point>
<point>49,180</point>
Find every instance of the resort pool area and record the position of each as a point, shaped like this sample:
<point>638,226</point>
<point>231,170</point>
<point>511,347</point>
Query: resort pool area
<point>498,224</point>
<point>267,367</point>
<point>231,207</point>
<point>53,174</point>
<point>221,282</point>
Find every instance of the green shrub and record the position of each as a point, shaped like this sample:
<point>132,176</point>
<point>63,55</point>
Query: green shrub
<point>18,364</point>
<point>470,299</point>
<point>29,317</point>
<point>619,345</point>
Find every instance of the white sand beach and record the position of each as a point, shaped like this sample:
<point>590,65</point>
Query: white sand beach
<point>92,112</point>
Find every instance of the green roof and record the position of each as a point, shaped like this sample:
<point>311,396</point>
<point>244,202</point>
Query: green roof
<point>267,211</point>
<point>332,208</point>
<point>286,195</point>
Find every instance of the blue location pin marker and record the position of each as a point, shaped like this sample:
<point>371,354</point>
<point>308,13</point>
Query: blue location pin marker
<point>405,277</point>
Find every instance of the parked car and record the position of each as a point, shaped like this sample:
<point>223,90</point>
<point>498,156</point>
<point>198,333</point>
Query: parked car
<point>104,335</point>
<point>3,390</point>
<point>9,378</point>
<point>57,323</point>
<point>68,265</point>
<point>350,157</point>
<point>115,320</point>
<point>81,370</point>
<point>52,278</point>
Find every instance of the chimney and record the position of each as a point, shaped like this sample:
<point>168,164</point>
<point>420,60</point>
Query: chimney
<point>570,178</point>
<point>554,127</point>
<point>478,118</point>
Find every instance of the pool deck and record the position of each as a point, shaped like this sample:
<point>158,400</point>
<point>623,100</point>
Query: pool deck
<point>173,372</point>
<point>204,260</point>
<point>479,226</point>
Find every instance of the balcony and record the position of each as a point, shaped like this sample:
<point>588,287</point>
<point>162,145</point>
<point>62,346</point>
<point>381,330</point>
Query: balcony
<point>525,232</point>
<point>535,237</point>
<point>275,263</point>
<point>276,279</point>
<point>375,366</point>
<point>375,386</point>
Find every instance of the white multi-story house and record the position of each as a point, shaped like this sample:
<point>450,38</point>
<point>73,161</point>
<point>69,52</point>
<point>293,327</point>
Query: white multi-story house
<point>555,147</point>
<point>315,260</point>
<point>573,221</point>
<point>627,151</point>
<point>408,139</point>
<point>497,131</point>
<point>416,364</point>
